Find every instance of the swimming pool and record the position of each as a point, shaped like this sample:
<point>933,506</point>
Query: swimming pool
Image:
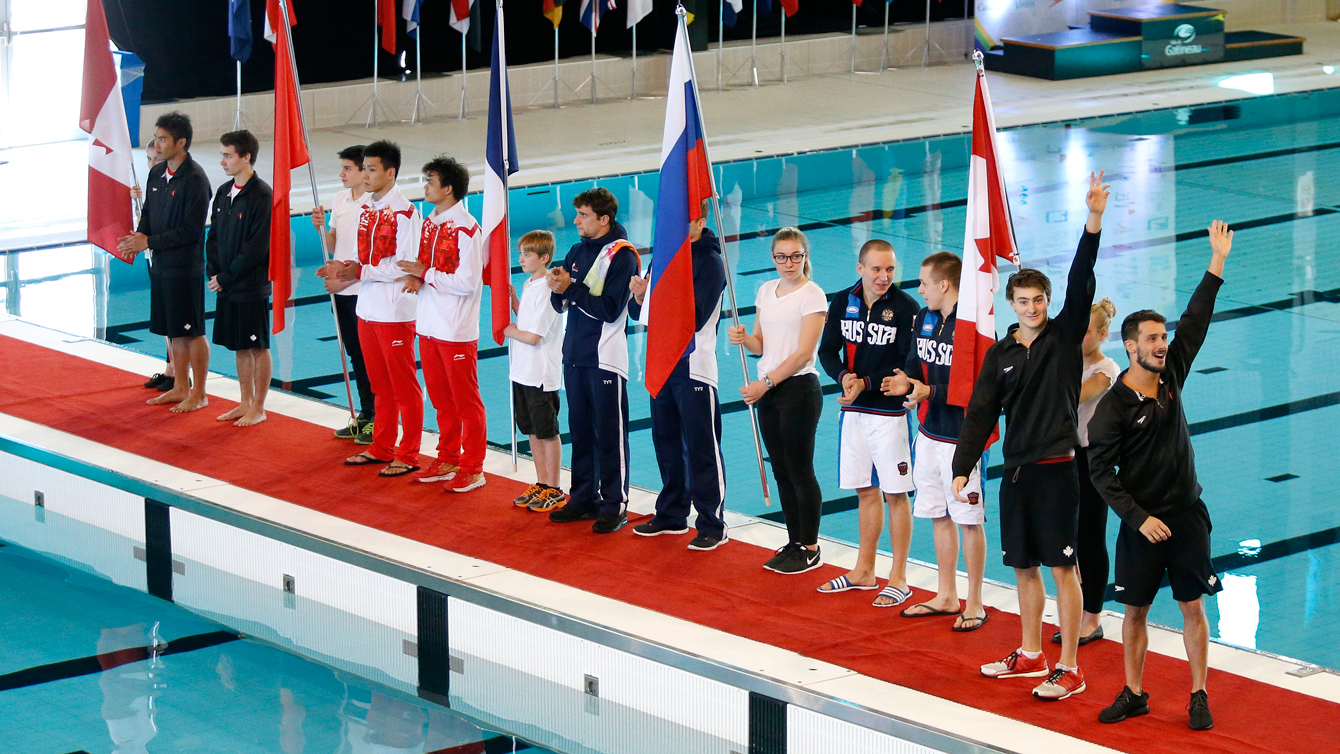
<point>1261,408</point>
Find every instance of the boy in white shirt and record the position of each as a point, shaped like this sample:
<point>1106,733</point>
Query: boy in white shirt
<point>342,240</point>
<point>387,230</point>
<point>536,355</point>
<point>450,265</point>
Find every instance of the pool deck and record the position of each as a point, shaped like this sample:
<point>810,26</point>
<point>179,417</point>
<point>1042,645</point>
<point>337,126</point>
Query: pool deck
<point>801,674</point>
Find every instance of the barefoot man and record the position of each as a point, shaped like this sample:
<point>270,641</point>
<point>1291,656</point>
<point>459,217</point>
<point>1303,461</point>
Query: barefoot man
<point>172,223</point>
<point>238,266</point>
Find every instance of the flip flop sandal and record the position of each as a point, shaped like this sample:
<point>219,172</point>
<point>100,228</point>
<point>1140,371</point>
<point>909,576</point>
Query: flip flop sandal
<point>962,629</point>
<point>842,584</point>
<point>362,459</point>
<point>390,471</point>
<point>899,596</point>
<point>930,612</point>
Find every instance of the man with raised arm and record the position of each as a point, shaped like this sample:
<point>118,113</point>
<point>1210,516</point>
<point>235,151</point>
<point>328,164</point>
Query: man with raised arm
<point>1033,374</point>
<point>1142,463</point>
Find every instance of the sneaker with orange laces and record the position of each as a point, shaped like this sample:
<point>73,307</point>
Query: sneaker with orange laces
<point>437,471</point>
<point>549,499</point>
<point>464,482</point>
<point>1016,665</point>
<point>525,498</point>
<point>1063,683</point>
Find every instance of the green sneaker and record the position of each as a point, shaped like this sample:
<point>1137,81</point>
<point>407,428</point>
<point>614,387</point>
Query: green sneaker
<point>348,431</point>
<point>364,436</point>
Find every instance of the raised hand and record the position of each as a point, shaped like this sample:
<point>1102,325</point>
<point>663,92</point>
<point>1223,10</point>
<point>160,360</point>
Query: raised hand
<point>1221,239</point>
<point>1098,194</point>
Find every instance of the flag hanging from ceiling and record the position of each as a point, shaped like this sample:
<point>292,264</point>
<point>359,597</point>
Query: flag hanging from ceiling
<point>290,151</point>
<point>988,238</point>
<point>102,114</point>
<point>499,163</point>
<point>685,181</point>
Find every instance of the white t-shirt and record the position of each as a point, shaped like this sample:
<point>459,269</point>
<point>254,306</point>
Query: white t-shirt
<point>779,320</point>
<point>344,221</point>
<point>1105,366</point>
<point>542,365</point>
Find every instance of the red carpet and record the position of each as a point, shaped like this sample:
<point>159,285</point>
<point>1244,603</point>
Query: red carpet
<point>726,589</point>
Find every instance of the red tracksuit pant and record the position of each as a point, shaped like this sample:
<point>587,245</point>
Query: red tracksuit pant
<point>388,357</point>
<point>451,372</point>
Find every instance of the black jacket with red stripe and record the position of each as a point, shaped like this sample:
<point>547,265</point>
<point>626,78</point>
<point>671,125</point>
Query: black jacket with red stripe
<point>869,342</point>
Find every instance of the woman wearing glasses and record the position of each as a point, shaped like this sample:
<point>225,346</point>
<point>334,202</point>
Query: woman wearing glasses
<point>789,318</point>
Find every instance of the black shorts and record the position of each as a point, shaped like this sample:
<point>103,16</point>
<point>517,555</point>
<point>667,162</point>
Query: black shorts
<point>1039,515</point>
<point>239,325</point>
<point>1184,558</point>
<point>535,411</point>
<point>177,306</point>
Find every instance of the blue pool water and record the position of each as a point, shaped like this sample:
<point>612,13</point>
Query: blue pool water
<point>1262,407</point>
<point>204,690</point>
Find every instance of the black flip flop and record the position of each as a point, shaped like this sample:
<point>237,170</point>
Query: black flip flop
<point>391,471</point>
<point>933,613</point>
<point>959,629</point>
<point>363,459</point>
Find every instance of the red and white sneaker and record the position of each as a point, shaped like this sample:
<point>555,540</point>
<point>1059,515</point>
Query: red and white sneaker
<point>1061,684</point>
<point>437,471</point>
<point>464,482</point>
<point>1016,665</point>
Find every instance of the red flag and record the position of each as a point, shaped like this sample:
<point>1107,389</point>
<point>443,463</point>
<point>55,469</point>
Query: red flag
<point>290,152</point>
<point>102,114</point>
<point>989,237</point>
<point>789,7</point>
<point>386,16</point>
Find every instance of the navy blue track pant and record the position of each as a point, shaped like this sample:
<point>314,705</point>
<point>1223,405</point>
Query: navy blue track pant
<point>598,423</point>
<point>686,428</point>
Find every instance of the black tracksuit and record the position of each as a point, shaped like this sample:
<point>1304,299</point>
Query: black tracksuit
<point>173,217</point>
<point>238,247</point>
<point>1148,439</point>
<point>1036,385</point>
<point>686,415</point>
<point>869,342</point>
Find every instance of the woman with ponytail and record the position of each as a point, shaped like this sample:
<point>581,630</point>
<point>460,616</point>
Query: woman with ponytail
<point>1100,373</point>
<point>788,321</point>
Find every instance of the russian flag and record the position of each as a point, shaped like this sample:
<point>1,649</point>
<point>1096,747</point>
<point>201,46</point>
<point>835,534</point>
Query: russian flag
<point>500,162</point>
<point>686,180</point>
<point>591,11</point>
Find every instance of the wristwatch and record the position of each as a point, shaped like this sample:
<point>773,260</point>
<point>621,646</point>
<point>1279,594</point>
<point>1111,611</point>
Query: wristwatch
<point>768,381</point>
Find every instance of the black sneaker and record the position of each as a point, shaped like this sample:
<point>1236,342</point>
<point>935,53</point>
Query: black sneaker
<point>653,529</point>
<point>800,560</point>
<point>609,524</point>
<point>568,514</point>
<point>781,555</point>
<point>1127,704</point>
<point>350,430</point>
<point>166,384</point>
<point>364,433</point>
<point>702,544</point>
<point>154,381</point>
<point>1200,711</point>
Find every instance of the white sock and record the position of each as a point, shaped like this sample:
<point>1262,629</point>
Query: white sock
<point>1059,666</point>
<point>1030,655</point>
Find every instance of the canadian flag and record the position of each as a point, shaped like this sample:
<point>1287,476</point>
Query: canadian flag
<point>988,237</point>
<point>103,115</point>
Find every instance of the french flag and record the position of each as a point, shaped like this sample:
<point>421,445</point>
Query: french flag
<point>686,180</point>
<point>500,162</point>
<point>988,238</point>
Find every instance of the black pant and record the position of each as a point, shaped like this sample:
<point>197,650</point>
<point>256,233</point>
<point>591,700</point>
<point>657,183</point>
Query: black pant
<point>347,320</point>
<point>1092,555</point>
<point>788,417</point>
<point>598,423</point>
<point>686,429</point>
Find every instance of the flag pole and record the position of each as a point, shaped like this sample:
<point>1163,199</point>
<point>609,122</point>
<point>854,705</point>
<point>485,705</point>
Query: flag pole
<point>376,66</point>
<point>753,48</point>
<point>555,67</point>
<point>316,198</point>
<point>633,95</point>
<point>721,37</point>
<point>421,102</point>
<point>237,116</point>
<point>595,10</point>
<point>505,101</point>
<point>853,37</point>
<point>783,51</point>
<point>135,181</point>
<point>884,56</point>
<point>464,106</point>
<point>725,258</point>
